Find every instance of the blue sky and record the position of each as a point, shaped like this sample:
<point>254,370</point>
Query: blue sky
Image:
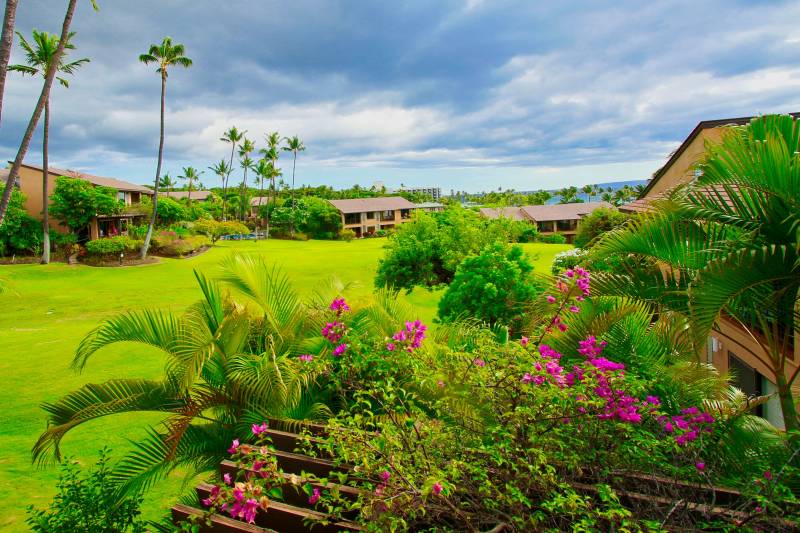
<point>464,94</point>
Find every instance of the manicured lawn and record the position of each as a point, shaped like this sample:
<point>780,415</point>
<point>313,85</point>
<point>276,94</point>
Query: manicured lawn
<point>46,310</point>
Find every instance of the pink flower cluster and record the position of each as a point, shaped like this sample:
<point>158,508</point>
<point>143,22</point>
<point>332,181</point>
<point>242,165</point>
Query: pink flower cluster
<point>339,306</point>
<point>242,506</point>
<point>315,495</point>
<point>334,331</point>
<point>410,338</point>
<point>306,358</point>
<point>688,425</point>
<point>258,429</point>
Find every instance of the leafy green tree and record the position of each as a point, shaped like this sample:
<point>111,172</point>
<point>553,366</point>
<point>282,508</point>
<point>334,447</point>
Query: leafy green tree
<point>569,195</point>
<point>596,223</point>
<point>39,55</point>
<point>293,145</point>
<point>20,231</point>
<point>75,202</point>
<point>171,211</point>
<point>320,220</point>
<point>494,287</point>
<point>88,503</point>
<point>725,247</point>
<point>165,55</point>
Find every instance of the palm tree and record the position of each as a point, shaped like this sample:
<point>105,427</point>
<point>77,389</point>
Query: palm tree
<point>597,190</point>
<point>167,182</point>
<point>165,56</point>
<point>223,170</point>
<point>293,145</point>
<point>607,197</point>
<point>245,149</point>
<point>272,154</point>
<point>588,190</point>
<point>191,175</point>
<point>231,361</point>
<point>262,172</point>
<point>273,173</point>
<point>568,194</point>
<point>726,246</point>
<point>43,97</point>
<point>38,57</point>
<point>232,136</point>
<point>6,42</point>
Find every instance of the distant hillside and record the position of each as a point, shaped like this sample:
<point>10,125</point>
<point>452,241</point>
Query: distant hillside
<point>614,185</point>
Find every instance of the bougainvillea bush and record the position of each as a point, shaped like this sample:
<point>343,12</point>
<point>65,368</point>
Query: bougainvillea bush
<point>469,431</point>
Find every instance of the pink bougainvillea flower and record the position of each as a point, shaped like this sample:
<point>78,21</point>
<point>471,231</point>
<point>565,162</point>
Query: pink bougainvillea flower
<point>574,309</point>
<point>700,466</point>
<point>339,305</point>
<point>562,327</point>
<point>479,363</point>
<point>768,475</point>
<point>437,488</point>
<point>385,475</point>
<point>551,299</point>
<point>227,479</point>
<point>390,346</point>
<point>440,383</point>
<point>306,357</point>
<point>527,378</point>
<point>524,341</point>
<point>339,350</point>
<point>249,510</point>
<point>259,429</point>
<point>314,496</point>
<point>234,446</point>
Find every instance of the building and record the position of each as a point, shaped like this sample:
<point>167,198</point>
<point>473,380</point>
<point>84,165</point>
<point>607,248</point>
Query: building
<point>549,219</point>
<point>435,192</point>
<point>367,215</point>
<point>730,347</point>
<point>255,203</point>
<point>430,207</point>
<point>29,181</point>
<point>200,196</point>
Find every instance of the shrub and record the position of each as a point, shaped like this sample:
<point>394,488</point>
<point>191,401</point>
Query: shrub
<point>19,231</point>
<point>320,219</point>
<point>298,236</point>
<point>170,211</point>
<point>113,245</point>
<point>346,235</point>
<point>87,503</point>
<point>168,243</point>
<point>493,287</point>
<point>214,230</point>
<point>553,238</point>
<point>76,202</point>
<point>596,223</point>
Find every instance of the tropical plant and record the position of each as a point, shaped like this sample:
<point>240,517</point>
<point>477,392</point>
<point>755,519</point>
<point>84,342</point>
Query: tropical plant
<point>588,190</point>
<point>725,247</point>
<point>39,55</point>
<point>43,96</point>
<point>262,170</point>
<point>245,149</point>
<point>568,195</point>
<point>165,56</point>
<point>170,211</point>
<point>88,503</point>
<point>167,183</point>
<point>20,232</point>
<point>191,175</point>
<point>223,170</point>
<point>75,202</point>
<point>293,145</point>
<point>6,42</point>
<point>272,153</point>
<point>234,137</point>
<point>231,361</point>
<point>596,223</point>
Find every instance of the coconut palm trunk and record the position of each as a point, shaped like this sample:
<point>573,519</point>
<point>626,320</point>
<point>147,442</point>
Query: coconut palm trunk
<point>225,182</point>
<point>45,176</point>
<point>152,223</point>
<point>6,42</point>
<point>37,113</point>
<point>294,164</point>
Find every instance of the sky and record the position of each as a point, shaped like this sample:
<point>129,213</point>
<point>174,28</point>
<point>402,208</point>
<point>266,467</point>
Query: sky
<point>463,94</point>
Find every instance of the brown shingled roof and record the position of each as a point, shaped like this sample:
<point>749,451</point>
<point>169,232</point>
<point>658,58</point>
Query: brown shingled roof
<point>574,211</point>
<point>179,195</point>
<point>514,213</point>
<point>96,180</point>
<point>364,205</point>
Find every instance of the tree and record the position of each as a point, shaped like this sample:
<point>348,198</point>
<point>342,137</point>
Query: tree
<point>38,57</point>
<point>597,223</point>
<point>245,149</point>
<point>43,97</point>
<point>6,42</point>
<point>75,202</point>
<point>20,231</point>
<point>588,190</point>
<point>223,170</point>
<point>191,175</point>
<point>568,195</point>
<point>321,220</point>
<point>271,153</point>
<point>494,287</point>
<point>293,145</point>
<point>167,182</point>
<point>232,136</point>
<point>263,171</point>
<point>725,246</point>
<point>165,55</point>
<point>171,211</point>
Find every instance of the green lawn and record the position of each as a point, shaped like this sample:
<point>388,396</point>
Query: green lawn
<point>46,310</point>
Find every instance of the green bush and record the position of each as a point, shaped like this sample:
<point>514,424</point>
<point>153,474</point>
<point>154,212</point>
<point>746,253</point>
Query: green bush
<point>214,229</point>
<point>596,223</point>
<point>87,504</point>
<point>553,238</point>
<point>19,232</point>
<point>170,244</point>
<point>113,245</point>
<point>76,202</point>
<point>493,287</point>
<point>170,211</point>
<point>346,235</point>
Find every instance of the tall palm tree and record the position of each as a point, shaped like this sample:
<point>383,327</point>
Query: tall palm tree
<point>191,175</point>
<point>272,173</point>
<point>38,56</point>
<point>293,145</point>
<point>245,149</point>
<point>37,112</point>
<point>223,170</point>
<point>588,190</point>
<point>271,152</point>
<point>165,56</point>
<point>262,172</point>
<point>726,246</point>
<point>6,42</point>
<point>232,136</point>
<point>167,182</point>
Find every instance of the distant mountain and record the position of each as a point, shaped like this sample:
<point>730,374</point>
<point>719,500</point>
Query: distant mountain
<point>614,185</point>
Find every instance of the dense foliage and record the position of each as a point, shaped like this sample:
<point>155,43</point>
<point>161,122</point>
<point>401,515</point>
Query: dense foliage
<point>87,503</point>
<point>75,202</point>
<point>214,229</point>
<point>596,223</point>
<point>113,245</point>
<point>172,243</point>
<point>20,232</point>
<point>171,211</point>
<point>494,287</point>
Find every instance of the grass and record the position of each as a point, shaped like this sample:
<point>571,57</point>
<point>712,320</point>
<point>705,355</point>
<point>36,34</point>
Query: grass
<point>46,310</point>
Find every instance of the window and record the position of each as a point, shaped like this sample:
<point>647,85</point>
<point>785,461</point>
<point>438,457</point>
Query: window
<point>352,218</point>
<point>566,225</point>
<point>121,195</point>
